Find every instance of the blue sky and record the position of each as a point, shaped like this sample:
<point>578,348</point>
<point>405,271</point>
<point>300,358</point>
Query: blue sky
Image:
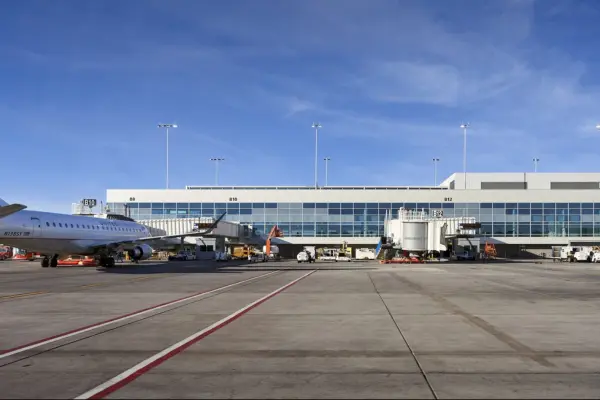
<point>84,84</point>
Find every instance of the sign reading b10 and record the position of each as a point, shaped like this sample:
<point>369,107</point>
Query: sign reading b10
<point>89,202</point>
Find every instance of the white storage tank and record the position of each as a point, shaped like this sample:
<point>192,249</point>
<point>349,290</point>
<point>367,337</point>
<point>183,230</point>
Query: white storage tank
<point>414,236</point>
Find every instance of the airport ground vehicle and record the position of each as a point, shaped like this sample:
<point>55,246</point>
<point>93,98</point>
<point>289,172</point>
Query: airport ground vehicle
<point>5,252</point>
<point>365,254</point>
<point>305,256</point>
<point>577,253</point>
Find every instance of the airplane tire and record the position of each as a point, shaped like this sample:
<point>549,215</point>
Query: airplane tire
<point>54,262</point>
<point>45,262</point>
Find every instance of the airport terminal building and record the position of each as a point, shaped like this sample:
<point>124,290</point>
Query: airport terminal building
<point>517,211</point>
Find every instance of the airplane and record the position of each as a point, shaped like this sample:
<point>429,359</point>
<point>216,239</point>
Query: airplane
<point>57,235</point>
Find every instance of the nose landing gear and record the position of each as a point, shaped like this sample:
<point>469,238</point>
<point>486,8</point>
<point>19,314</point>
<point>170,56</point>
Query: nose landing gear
<point>50,262</point>
<point>106,261</point>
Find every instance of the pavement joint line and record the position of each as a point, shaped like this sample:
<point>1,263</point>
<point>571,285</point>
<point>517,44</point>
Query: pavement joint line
<point>141,368</point>
<point>78,331</point>
<point>412,353</point>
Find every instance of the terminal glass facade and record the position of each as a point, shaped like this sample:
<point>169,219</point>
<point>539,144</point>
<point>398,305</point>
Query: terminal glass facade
<point>366,219</point>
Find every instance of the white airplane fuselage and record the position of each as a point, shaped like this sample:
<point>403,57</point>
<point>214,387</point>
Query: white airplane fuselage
<point>64,234</point>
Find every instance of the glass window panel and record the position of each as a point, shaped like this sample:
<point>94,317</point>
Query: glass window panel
<point>292,211</point>
<point>486,230</point>
<point>574,218</point>
<point>322,218</point>
<point>499,205</point>
<point>549,211</point>
<point>587,229</point>
<point>347,218</point>
<point>549,206</point>
<point>596,205</point>
<point>320,205</point>
<point>486,205</point>
<point>157,205</point>
<point>562,205</point>
<point>499,217</point>
<point>574,205</point>
<point>460,205</point>
<point>596,230</point>
<point>537,205</point>
<point>245,211</point>
<point>309,218</point>
<point>573,211</point>
<point>220,205</point>
<point>283,205</point>
<point>372,205</point>
<point>511,205</point>
<point>587,211</point>
<point>587,205</point>
<point>359,206</point>
<point>360,218</point>
<point>587,218</point>
<point>145,205</point>
<point>400,205</point>
<point>258,218</point>
<point>258,205</point>
<point>486,218</point>
<point>574,229</point>
<point>525,205</point>
<point>157,211</point>
<point>537,218</point>
<point>537,230</point>
<point>372,230</point>
<point>387,206</point>
<point>333,230</point>
<point>296,230</point>
<point>321,229</point>
<point>537,211</point>
<point>523,211</point>
<point>296,218</point>
<point>233,206</point>
<point>347,230</point>
<point>334,211</point>
<point>271,205</point>
<point>346,211</point>
<point>410,206</point>
<point>524,230</point>
<point>295,206</point>
<point>308,229</point>
<point>499,229</point>
<point>446,205</point>
<point>510,211</point>
<point>308,205</point>
<point>524,218</point>
<point>183,206</point>
<point>422,205</point>
<point>334,218</point>
<point>359,230</point>
<point>334,205</point>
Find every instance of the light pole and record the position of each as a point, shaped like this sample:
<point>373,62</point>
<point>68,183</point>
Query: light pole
<point>464,127</point>
<point>326,159</point>
<point>435,161</point>
<point>167,126</point>
<point>316,125</point>
<point>535,164</point>
<point>217,160</point>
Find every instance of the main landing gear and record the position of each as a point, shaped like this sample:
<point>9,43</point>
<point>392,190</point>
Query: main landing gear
<point>50,262</point>
<point>105,261</point>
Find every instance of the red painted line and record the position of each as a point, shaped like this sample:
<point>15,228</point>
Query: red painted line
<point>141,368</point>
<point>87,328</point>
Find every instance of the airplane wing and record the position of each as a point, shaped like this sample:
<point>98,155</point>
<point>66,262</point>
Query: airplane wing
<point>7,210</point>
<point>162,237</point>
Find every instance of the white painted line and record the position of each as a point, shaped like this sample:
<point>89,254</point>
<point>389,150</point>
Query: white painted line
<point>64,335</point>
<point>138,370</point>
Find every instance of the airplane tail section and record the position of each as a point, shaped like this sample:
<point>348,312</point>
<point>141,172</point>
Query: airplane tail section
<point>6,210</point>
<point>3,203</point>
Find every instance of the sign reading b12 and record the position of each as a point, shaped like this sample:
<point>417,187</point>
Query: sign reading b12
<point>89,202</point>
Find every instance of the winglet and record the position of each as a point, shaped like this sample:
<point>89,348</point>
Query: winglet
<point>5,211</point>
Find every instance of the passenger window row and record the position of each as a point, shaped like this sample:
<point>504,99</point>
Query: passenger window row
<point>95,227</point>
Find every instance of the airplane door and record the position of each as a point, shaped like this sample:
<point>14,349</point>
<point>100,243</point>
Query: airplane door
<point>36,227</point>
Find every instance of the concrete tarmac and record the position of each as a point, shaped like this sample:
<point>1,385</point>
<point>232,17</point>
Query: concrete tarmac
<point>200,329</point>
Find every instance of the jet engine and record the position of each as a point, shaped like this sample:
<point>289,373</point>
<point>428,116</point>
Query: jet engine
<point>140,252</point>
